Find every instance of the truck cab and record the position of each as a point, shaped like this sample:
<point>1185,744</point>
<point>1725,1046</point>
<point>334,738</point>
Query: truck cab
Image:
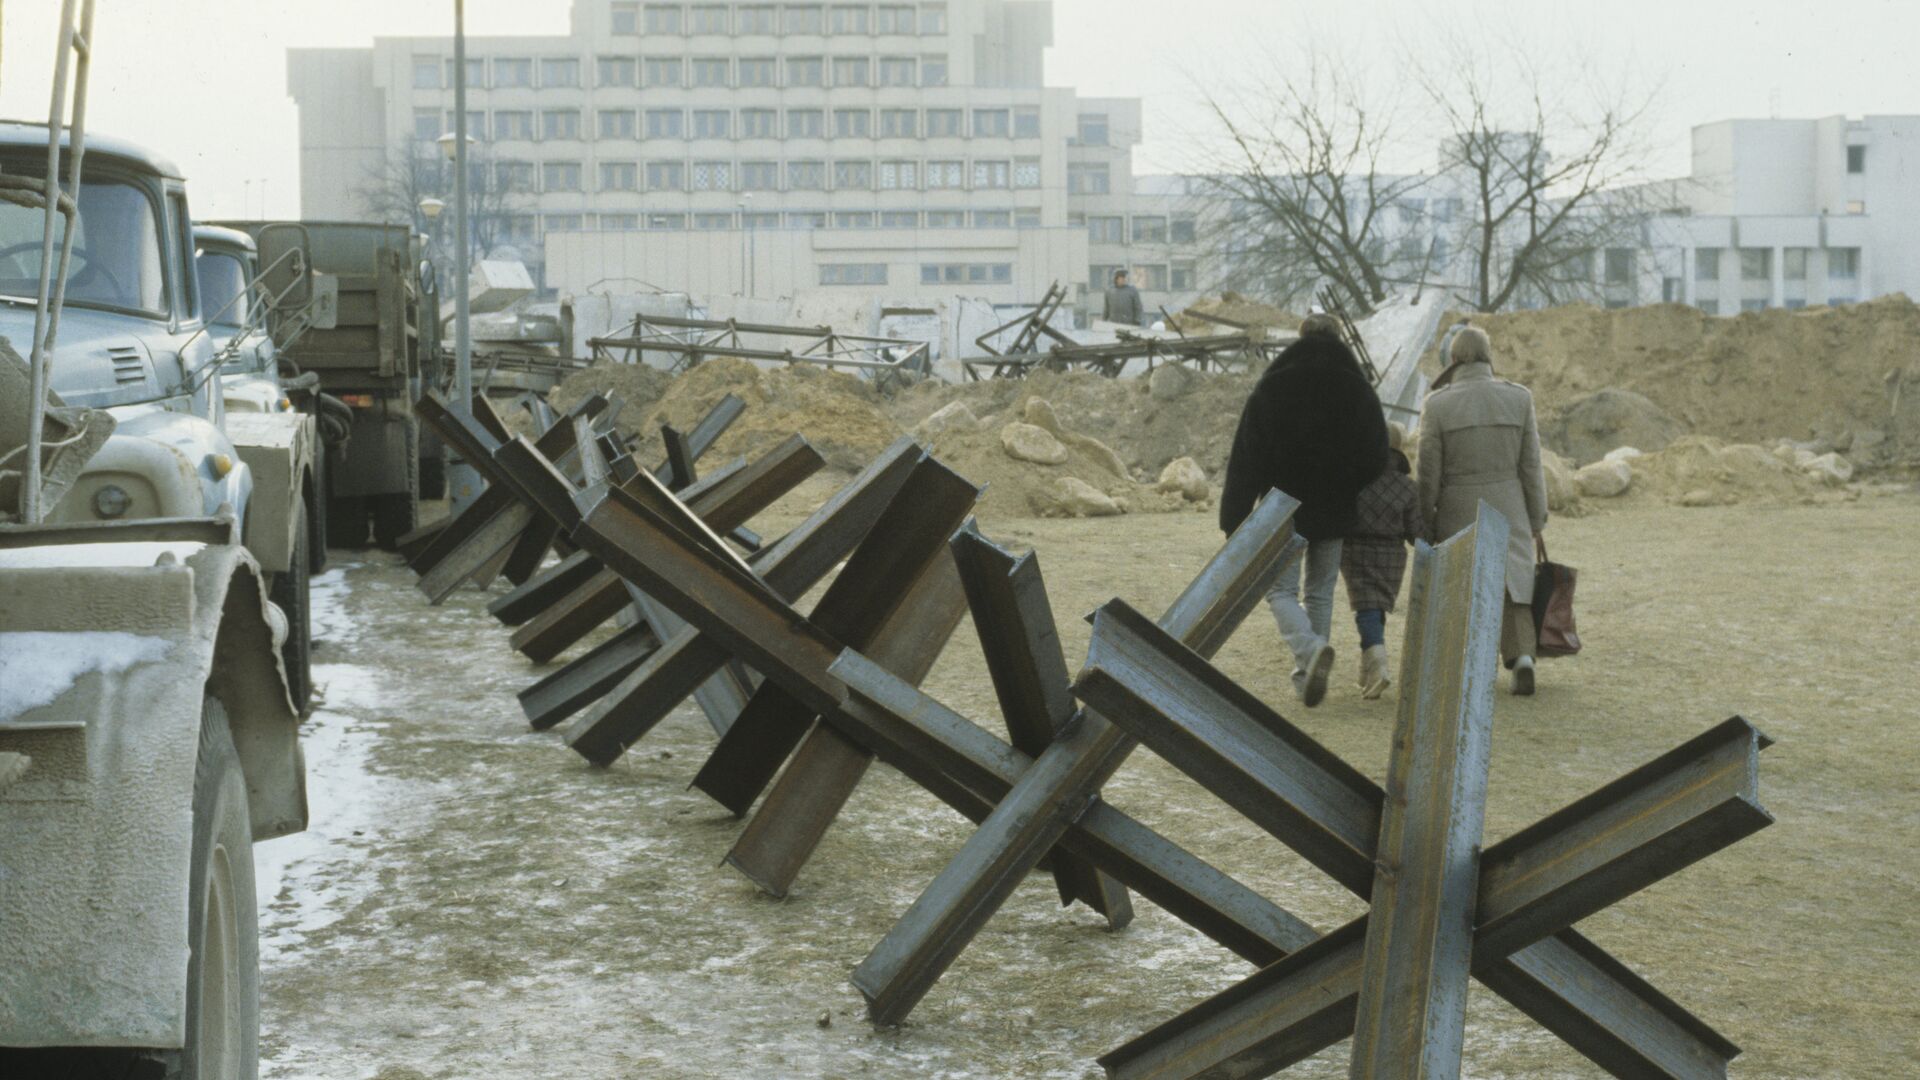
<point>228,265</point>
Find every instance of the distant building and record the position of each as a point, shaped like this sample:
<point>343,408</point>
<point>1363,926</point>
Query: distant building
<point>895,149</point>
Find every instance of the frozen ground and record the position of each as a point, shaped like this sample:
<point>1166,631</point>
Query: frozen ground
<point>472,900</point>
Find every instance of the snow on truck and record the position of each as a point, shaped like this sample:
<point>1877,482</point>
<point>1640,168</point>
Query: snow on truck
<point>148,722</point>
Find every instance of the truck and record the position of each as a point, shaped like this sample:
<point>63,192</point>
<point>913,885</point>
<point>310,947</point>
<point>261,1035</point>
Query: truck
<point>376,360</point>
<point>149,733</point>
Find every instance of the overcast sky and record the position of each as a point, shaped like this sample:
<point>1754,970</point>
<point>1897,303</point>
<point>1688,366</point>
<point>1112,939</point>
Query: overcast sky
<point>204,81</point>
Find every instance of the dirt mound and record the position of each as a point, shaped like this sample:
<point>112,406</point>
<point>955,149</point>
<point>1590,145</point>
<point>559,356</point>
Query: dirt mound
<point>1751,378</point>
<point>1698,470</point>
<point>1236,309</point>
<point>1589,427</point>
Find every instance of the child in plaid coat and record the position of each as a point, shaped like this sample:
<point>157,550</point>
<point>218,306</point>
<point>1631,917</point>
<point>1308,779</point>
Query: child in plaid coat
<point>1374,558</point>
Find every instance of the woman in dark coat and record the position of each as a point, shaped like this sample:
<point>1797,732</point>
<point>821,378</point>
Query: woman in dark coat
<point>1313,429</point>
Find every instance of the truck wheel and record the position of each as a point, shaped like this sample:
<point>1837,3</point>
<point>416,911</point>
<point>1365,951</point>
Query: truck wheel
<point>316,505</point>
<point>290,592</point>
<point>223,929</point>
<point>347,521</point>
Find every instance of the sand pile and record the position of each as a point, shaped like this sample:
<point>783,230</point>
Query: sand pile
<point>1586,429</point>
<point>1235,308</point>
<point>1753,377</point>
<point>1699,470</point>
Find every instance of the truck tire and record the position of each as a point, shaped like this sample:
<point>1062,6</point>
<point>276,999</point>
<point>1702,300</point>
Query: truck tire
<point>398,513</point>
<point>223,928</point>
<point>289,590</point>
<point>347,521</point>
<point>316,506</point>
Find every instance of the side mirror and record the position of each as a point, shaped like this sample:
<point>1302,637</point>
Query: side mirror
<point>285,266</point>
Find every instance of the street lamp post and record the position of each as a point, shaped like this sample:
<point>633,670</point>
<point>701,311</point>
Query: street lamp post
<point>463,482</point>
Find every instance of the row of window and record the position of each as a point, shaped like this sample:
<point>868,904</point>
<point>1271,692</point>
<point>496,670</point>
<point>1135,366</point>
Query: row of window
<point>523,226</point>
<point>526,125</point>
<point>795,175</point>
<point>1149,277</point>
<point>1712,307</point>
<point>1756,264</point>
<point>517,73</point>
<point>1147,229</point>
<point>634,18</point>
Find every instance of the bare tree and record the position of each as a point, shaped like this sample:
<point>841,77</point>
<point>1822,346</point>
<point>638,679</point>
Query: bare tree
<point>414,171</point>
<point>1303,169</point>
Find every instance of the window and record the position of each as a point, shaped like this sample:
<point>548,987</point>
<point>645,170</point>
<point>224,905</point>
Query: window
<point>667,222</point>
<point>853,219</point>
<point>563,223</point>
<point>476,123</point>
<point>476,74</point>
<point>933,70</point>
<point>1856,159</point>
<point>966,273</point>
<point>516,72</point>
<point>1793,263</point>
<point>619,222</point>
<point>514,175</point>
<point>853,273</point>
<point>711,222</point>
<point>666,124</point>
<point>626,19</point>
<point>616,123</point>
<point>1093,129</point>
<point>563,71</point>
<point>1706,265</point>
<point>990,123</point>
<point>899,176</point>
<point>663,71</point>
<point>850,71</point>
<point>802,19</point>
<point>759,176</point>
<point>989,174</point>
<point>521,228</point>
<point>1708,307</point>
<point>945,175</point>
<point>1183,231</point>
<point>426,73</point>
<point>713,176</point>
<point>943,123</point>
<point>710,71</point>
<point>709,19</point>
<point>1756,264</point>
<point>663,18</point>
<point>666,176</point>
<point>759,123</point>
<point>946,219</point>
<point>1148,229</point>
<point>993,219</point>
<point>899,219</point>
<point>756,72</point>
<point>1843,264</point>
<point>1151,277</point>
<point>1026,219</point>
<point>933,18</point>
<point>1087,178</point>
<point>899,123</point>
<point>1753,305</point>
<point>1620,265</point>
<point>1107,230</point>
<point>1102,276</point>
<point>1026,173</point>
<point>512,124</point>
<point>756,19</point>
<point>896,70</point>
<point>619,176</point>
<point>426,124</point>
<point>996,273</point>
<point>1180,279</point>
<point>1411,210</point>
<point>805,123</point>
<point>807,219</point>
<point>853,175</point>
<point>806,71</point>
<point>806,176</point>
<point>1445,209</point>
<point>560,176</point>
<point>852,123</point>
<point>760,221</point>
<point>1794,304</point>
<point>894,19</point>
<point>1026,122</point>
<point>711,123</point>
<point>847,19</point>
<point>618,71</point>
<point>560,124</point>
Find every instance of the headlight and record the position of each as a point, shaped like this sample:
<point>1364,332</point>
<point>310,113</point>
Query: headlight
<point>111,501</point>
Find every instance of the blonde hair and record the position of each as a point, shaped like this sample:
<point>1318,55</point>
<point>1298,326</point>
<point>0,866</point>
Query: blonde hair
<point>1396,434</point>
<point>1471,346</point>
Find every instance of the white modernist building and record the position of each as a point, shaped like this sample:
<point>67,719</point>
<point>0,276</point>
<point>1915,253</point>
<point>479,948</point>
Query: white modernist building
<point>771,150</point>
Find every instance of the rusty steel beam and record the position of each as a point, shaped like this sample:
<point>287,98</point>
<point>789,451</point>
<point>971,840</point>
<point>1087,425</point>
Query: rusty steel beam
<point>910,534</point>
<point>789,568</point>
<point>1063,781</point>
<point>1314,803</point>
<point>585,680</point>
<point>1411,1015</point>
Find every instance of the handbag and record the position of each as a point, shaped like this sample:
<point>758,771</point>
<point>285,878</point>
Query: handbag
<point>1553,606</point>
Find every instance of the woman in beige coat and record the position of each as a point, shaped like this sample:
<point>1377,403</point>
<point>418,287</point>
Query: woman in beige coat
<point>1478,441</point>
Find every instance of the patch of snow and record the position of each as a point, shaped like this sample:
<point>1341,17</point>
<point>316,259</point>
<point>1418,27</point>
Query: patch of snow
<point>37,666</point>
<point>118,553</point>
<point>327,606</point>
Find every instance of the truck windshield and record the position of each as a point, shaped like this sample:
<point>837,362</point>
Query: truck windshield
<point>117,261</point>
<point>223,281</point>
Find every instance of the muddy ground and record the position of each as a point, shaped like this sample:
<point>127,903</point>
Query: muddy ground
<point>473,900</point>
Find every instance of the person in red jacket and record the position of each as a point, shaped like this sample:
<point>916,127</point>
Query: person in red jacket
<point>1313,429</point>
